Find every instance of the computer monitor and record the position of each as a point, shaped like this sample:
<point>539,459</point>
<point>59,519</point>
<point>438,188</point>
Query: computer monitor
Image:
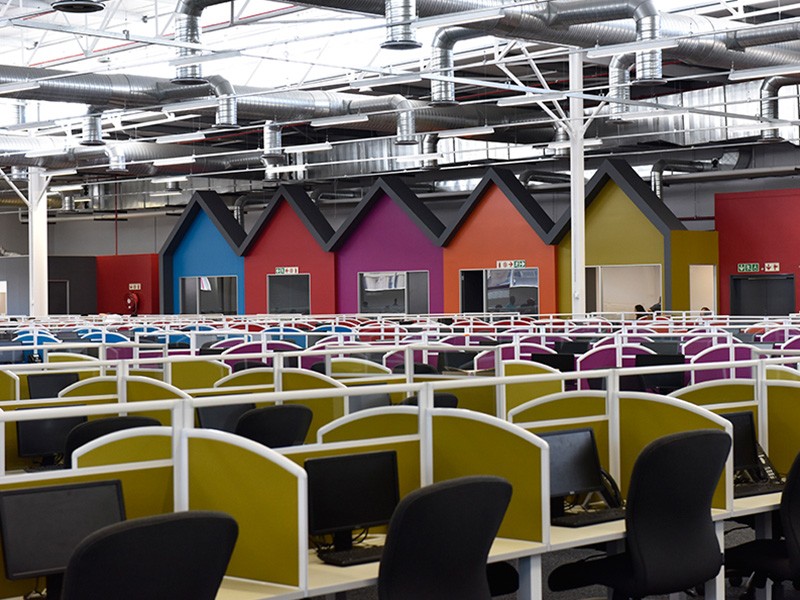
<point>661,382</point>
<point>574,465</point>
<point>572,347</point>
<point>745,444</point>
<point>223,417</point>
<point>351,492</point>
<point>455,359</point>
<point>560,362</point>
<point>48,385</point>
<point>45,439</point>
<point>663,347</point>
<point>41,527</point>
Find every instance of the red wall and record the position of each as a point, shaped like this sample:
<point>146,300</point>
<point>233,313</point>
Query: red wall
<point>757,227</point>
<point>285,242</point>
<point>495,230</point>
<point>115,273</point>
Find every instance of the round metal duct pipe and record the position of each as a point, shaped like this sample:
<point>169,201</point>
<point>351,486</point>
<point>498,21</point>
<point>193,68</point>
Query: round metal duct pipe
<point>400,34</point>
<point>92,132</point>
<point>77,6</point>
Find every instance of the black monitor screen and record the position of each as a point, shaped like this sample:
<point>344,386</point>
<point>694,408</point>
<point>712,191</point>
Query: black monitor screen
<point>572,347</point>
<point>663,347</point>
<point>455,359</point>
<point>574,462</point>
<point>45,438</point>
<point>224,417</point>
<point>561,362</point>
<point>661,382</point>
<point>745,450</point>
<point>350,492</point>
<point>48,385</point>
<point>42,526</point>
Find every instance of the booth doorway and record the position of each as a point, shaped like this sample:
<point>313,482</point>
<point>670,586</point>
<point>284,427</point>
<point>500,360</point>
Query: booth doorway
<point>617,289</point>
<point>289,294</point>
<point>394,292</point>
<point>209,295</point>
<point>703,287</point>
<point>759,295</point>
<point>500,290</point>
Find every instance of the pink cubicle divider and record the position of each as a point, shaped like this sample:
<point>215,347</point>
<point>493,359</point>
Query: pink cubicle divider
<point>791,344</point>
<point>257,348</point>
<point>724,353</point>
<point>468,340</point>
<point>609,357</point>
<point>628,339</point>
<point>779,336</point>
<point>695,344</point>
<point>120,353</point>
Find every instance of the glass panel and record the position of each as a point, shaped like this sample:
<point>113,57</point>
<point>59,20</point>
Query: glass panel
<point>288,294</point>
<point>383,292</point>
<point>512,290</point>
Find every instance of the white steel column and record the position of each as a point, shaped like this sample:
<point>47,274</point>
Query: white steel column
<point>37,242</point>
<point>577,191</point>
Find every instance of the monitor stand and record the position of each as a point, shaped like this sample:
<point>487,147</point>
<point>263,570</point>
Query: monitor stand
<point>343,540</point>
<point>54,584</point>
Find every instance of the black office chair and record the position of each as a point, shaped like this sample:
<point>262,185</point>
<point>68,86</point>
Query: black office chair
<point>245,364</point>
<point>439,539</point>
<point>167,557</point>
<point>440,400</point>
<point>670,542</point>
<point>276,426</point>
<point>419,369</point>
<point>775,559</point>
<point>90,430</point>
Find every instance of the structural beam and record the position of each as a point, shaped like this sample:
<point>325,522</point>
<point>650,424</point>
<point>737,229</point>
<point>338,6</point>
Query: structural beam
<point>37,242</point>
<point>577,185</point>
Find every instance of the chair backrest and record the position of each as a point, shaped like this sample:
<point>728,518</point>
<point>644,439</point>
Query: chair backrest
<point>790,515</point>
<point>440,400</point>
<point>276,426</point>
<point>90,430</point>
<point>669,507</point>
<point>439,539</point>
<point>178,555</point>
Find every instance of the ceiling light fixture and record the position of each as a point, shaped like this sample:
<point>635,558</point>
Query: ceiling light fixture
<point>20,86</point>
<point>321,147</point>
<point>77,6</point>
<point>165,193</point>
<point>466,132</point>
<point>45,152</point>
<point>339,120</point>
<point>72,187</point>
<point>189,105</point>
<point>285,169</point>
<point>639,46</point>
<point>60,173</point>
<point>177,138</point>
<point>654,113</point>
<point>458,18</point>
<point>567,144</point>
<point>197,59</point>
<point>175,160</point>
<point>417,157</point>
<point>763,72</point>
<point>173,179</point>
<point>371,82</point>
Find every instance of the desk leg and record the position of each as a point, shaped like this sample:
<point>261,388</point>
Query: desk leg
<point>715,588</point>
<point>530,578</point>
<point>763,526</point>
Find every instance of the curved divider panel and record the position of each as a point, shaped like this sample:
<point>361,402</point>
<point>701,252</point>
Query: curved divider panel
<point>68,357</point>
<point>585,404</point>
<point>647,417</point>
<point>126,446</point>
<point>349,366</point>
<point>395,397</point>
<point>372,423</point>
<point>262,378</point>
<point>719,391</point>
<point>783,423</point>
<point>194,374</point>
<point>782,373</point>
<point>482,399</point>
<point>325,409</point>
<point>520,393</point>
<point>146,492</point>
<point>264,492</point>
<point>9,386</point>
<point>467,443</point>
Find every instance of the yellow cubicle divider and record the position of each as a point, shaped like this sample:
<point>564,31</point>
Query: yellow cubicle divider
<point>325,409</point>
<point>468,443</point>
<point>357,366</point>
<point>568,410</point>
<point>9,386</point>
<point>194,374</point>
<point>264,492</point>
<point>262,379</point>
<point>721,391</point>
<point>395,397</point>
<point>782,372</point>
<point>137,389</point>
<point>68,357</point>
<point>388,421</point>
<point>520,393</point>
<point>783,423</point>
<point>644,418</point>
<point>482,398</point>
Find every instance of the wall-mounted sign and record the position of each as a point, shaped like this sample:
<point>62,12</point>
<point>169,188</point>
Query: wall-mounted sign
<point>772,267</point>
<point>134,287</point>
<point>747,267</point>
<point>511,264</point>
<point>287,270</point>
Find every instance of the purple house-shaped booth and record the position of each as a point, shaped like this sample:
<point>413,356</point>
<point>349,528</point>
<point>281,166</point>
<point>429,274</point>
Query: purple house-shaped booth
<point>388,257</point>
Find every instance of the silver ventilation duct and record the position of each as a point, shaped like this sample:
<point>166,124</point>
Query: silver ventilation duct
<point>683,166</point>
<point>273,151</point>
<point>443,93</point>
<point>187,30</point>
<point>400,34</point>
<point>92,131</point>
<point>20,173</point>
<point>769,103</point>
<point>227,109</point>
<point>430,145</point>
<point>619,82</point>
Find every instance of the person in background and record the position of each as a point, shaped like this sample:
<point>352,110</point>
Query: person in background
<point>640,311</point>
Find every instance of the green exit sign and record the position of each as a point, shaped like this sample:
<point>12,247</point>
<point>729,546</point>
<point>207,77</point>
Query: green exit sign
<point>748,267</point>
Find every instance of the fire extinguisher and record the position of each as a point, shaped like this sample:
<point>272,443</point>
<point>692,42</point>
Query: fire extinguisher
<point>132,303</point>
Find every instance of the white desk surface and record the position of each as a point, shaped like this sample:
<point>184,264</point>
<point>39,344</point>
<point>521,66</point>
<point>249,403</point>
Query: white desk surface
<point>754,505</point>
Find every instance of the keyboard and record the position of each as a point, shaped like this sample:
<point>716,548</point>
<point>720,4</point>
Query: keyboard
<point>356,555</point>
<point>743,490</point>
<point>591,517</point>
